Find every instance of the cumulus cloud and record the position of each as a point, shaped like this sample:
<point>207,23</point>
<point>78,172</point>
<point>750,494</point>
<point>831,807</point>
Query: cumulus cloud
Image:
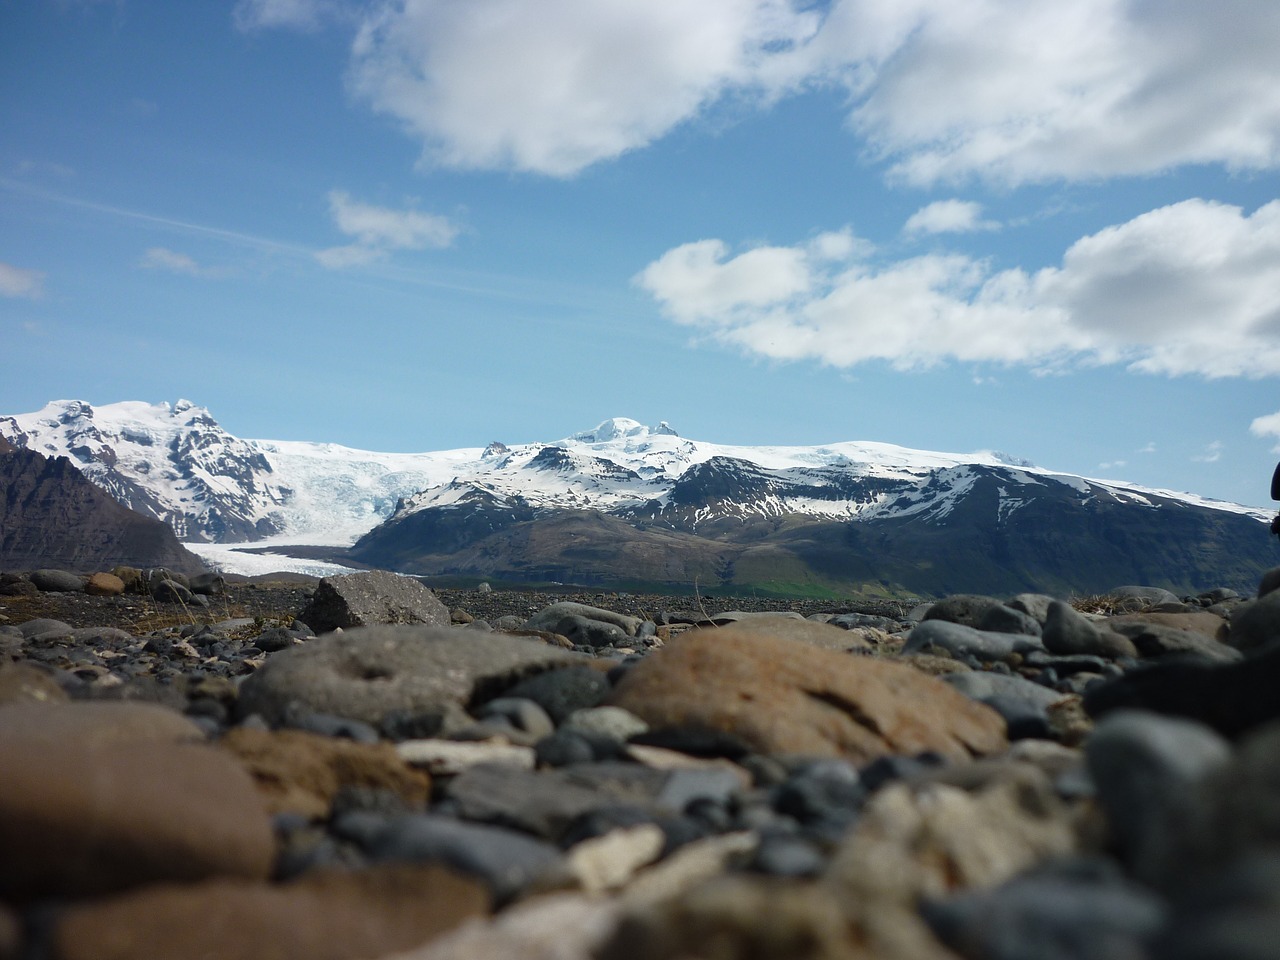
<point>21,282</point>
<point>1192,288</point>
<point>1010,90</point>
<point>949,216</point>
<point>160,258</point>
<point>557,85</point>
<point>1267,426</point>
<point>380,230</point>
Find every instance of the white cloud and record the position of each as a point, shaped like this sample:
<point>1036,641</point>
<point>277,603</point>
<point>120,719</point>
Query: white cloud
<point>1010,90</point>
<point>160,258</point>
<point>1193,288</point>
<point>251,15</point>
<point>1149,447</point>
<point>949,216</point>
<point>1212,453</point>
<point>21,282</point>
<point>380,230</point>
<point>1267,426</point>
<point>557,85</point>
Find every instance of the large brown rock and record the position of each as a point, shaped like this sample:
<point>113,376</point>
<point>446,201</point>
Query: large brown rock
<point>104,585</point>
<point>372,597</point>
<point>1197,621</point>
<point>300,772</point>
<point>780,696</point>
<point>804,631</point>
<point>80,816</point>
<point>324,916</point>
<point>94,724</point>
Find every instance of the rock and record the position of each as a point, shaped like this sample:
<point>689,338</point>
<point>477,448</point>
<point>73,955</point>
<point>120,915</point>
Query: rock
<point>1270,581</point>
<point>449,757</point>
<point>1147,770</point>
<point>1209,625</point>
<point>963,640</point>
<point>982,686</point>
<point>104,585</point>
<point>609,861</point>
<point>1003,619</point>
<point>1256,624</point>
<point>170,591</point>
<point>563,690</point>
<point>301,773</point>
<point>325,915</point>
<point>1156,638</point>
<point>522,714</point>
<point>779,696</point>
<point>1232,698</point>
<point>1035,605</point>
<point>57,581</point>
<point>27,683</point>
<point>45,630</point>
<point>934,839</point>
<point>369,673</point>
<point>374,597</point>
<point>612,722</point>
<point>79,820</point>
<point>1069,633</point>
<point>584,624</point>
<point>1148,596</point>
<point>95,724</point>
<point>564,926</point>
<point>506,860</point>
<point>963,608</point>
<point>1076,908</point>
<point>1234,915</point>
<point>209,584</point>
<point>12,585</point>
<point>732,917</point>
<point>802,631</point>
<point>1241,804</point>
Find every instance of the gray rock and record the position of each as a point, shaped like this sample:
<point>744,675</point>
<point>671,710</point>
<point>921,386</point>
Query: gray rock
<point>1150,596</point>
<point>562,691</point>
<point>1269,582</point>
<point>1256,623</point>
<point>612,722</point>
<point>45,629</point>
<point>1157,640</point>
<point>169,591</point>
<point>1234,916</point>
<point>374,597</point>
<point>737,616</point>
<point>850,621</point>
<point>965,608</point>
<point>57,581</point>
<point>1004,619</point>
<point>583,632</point>
<point>960,639</point>
<point>1068,633</point>
<point>1034,604</point>
<point>1148,770</point>
<point>521,713</point>
<point>506,860</point>
<point>983,686</point>
<point>368,673</point>
<point>549,618</point>
<point>1075,910</point>
<point>209,584</point>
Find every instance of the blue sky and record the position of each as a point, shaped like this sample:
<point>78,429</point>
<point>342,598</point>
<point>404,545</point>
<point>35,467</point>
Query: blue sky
<point>1042,228</point>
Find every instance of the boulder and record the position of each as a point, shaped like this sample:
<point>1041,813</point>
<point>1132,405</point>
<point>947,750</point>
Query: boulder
<point>325,915</point>
<point>962,640</point>
<point>104,585</point>
<point>57,581</point>
<point>299,772</point>
<point>779,696</point>
<point>1256,624</point>
<point>374,597</point>
<point>368,673</point>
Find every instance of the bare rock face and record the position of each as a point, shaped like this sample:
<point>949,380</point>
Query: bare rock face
<point>362,599</point>
<point>783,696</point>
<point>51,516</point>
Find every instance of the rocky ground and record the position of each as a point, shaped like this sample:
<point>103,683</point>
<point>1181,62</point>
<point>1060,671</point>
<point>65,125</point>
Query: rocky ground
<point>203,769</point>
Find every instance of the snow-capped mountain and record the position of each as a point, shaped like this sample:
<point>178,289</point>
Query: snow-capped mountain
<point>665,495</point>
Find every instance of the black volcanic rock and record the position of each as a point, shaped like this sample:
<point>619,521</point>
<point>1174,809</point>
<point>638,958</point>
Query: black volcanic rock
<point>51,516</point>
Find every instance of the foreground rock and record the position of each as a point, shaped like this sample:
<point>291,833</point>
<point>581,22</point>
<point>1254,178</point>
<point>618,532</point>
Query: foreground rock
<point>780,696</point>
<point>368,673</point>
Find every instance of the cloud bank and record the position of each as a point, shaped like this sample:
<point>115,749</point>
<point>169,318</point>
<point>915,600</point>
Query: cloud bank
<point>380,230</point>
<point>1191,288</point>
<point>1012,91</point>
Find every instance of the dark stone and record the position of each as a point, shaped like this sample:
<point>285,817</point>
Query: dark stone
<point>963,608</point>
<point>696,743</point>
<point>962,640</point>
<point>374,597</point>
<point>1256,624</point>
<point>1232,698</point>
<point>565,748</point>
<point>783,855</point>
<point>57,581</point>
<point>1002,619</point>
<point>274,639</point>
<point>169,591</point>
<point>562,691</point>
<point>208,584</point>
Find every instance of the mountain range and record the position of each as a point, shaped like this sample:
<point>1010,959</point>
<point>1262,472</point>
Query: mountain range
<point>628,505</point>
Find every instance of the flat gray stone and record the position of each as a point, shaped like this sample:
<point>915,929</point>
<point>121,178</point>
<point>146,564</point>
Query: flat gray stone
<point>373,597</point>
<point>1157,640</point>
<point>960,639</point>
<point>368,672</point>
<point>982,686</point>
<point>550,617</point>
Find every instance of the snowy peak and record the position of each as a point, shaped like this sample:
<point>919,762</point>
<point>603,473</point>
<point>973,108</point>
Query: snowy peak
<point>623,428</point>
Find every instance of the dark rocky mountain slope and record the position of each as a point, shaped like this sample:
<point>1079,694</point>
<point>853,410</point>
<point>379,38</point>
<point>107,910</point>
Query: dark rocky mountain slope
<point>51,516</point>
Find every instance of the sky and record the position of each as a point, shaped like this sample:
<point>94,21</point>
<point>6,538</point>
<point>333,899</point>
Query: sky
<point>1049,229</point>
